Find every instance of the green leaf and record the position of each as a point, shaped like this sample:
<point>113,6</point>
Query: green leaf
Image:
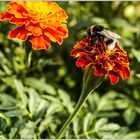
<point>133,135</point>
<point>37,106</point>
<point>20,90</point>
<point>2,136</point>
<point>33,100</point>
<point>8,107</point>
<point>76,127</point>
<point>28,132</point>
<point>93,100</point>
<point>100,123</point>
<point>65,100</point>
<point>52,99</point>
<point>53,108</point>
<point>110,127</point>
<point>129,115</point>
<point>86,122</point>
<point>136,53</point>
<point>107,101</point>
<point>121,104</point>
<point>137,109</point>
<point>121,133</point>
<point>7,98</point>
<point>108,114</point>
<point>8,81</point>
<point>3,124</point>
<point>41,109</point>
<point>15,113</point>
<point>40,85</point>
<point>16,128</point>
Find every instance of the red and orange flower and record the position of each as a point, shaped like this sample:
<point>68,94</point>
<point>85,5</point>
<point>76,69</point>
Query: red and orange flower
<point>42,22</point>
<point>113,62</point>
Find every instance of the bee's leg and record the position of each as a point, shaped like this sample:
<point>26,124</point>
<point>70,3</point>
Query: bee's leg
<point>102,40</point>
<point>94,39</point>
<point>110,41</point>
<point>111,44</point>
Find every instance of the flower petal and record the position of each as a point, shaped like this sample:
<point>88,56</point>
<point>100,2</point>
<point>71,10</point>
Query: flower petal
<point>113,77</point>
<point>75,53</point>
<point>124,73</point>
<point>99,70</point>
<point>5,16</point>
<point>17,9</point>
<point>62,31</point>
<point>34,28</point>
<point>82,62</point>
<point>53,35</point>
<point>18,21</point>
<point>41,42</point>
<point>20,33</point>
<point>43,20</point>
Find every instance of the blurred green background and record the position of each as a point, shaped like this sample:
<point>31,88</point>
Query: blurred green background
<point>39,89</point>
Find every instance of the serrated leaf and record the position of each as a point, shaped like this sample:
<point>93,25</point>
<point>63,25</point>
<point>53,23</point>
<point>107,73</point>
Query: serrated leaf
<point>16,128</point>
<point>86,122</point>
<point>129,115</point>
<point>8,81</point>
<point>137,109</point>
<point>7,98</point>
<point>13,132</point>
<point>28,132</point>
<point>51,98</point>
<point>122,132</point>
<point>133,135</point>
<point>121,104</point>
<point>8,107</point>
<point>20,90</point>
<point>40,85</point>
<point>2,136</point>
<point>136,54</point>
<point>15,113</point>
<point>108,114</point>
<point>45,123</point>
<point>65,100</point>
<point>33,100</point>
<point>76,126</point>
<point>106,102</point>
<point>53,108</point>
<point>3,124</point>
<point>100,123</point>
<point>93,99</point>
<point>41,109</point>
<point>110,127</point>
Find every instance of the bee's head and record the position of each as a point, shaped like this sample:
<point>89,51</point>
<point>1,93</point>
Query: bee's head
<point>92,30</point>
<point>98,28</point>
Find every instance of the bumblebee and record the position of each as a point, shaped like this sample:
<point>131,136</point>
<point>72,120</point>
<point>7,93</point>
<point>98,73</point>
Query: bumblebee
<point>107,38</point>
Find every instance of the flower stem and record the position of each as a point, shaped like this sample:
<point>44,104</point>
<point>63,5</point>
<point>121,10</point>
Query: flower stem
<point>81,101</point>
<point>90,83</point>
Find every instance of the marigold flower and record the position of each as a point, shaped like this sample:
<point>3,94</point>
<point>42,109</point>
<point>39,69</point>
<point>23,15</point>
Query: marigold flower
<point>103,60</point>
<point>43,22</point>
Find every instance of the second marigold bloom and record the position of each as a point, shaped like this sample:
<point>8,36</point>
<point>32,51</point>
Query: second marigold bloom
<point>43,22</point>
<point>104,60</point>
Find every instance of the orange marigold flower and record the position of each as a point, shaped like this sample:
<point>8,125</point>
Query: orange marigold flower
<point>104,60</point>
<point>43,22</point>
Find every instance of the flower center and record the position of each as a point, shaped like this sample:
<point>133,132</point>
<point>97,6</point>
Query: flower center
<point>39,10</point>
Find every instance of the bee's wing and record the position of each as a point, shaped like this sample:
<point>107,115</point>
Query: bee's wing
<point>109,34</point>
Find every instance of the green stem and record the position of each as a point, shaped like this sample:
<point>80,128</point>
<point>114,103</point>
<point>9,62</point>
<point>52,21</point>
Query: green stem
<point>81,101</point>
<point>90,83</point>
<point>29,59</point>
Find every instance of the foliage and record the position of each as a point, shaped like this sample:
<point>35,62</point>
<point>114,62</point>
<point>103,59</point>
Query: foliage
<point>39,89</point>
